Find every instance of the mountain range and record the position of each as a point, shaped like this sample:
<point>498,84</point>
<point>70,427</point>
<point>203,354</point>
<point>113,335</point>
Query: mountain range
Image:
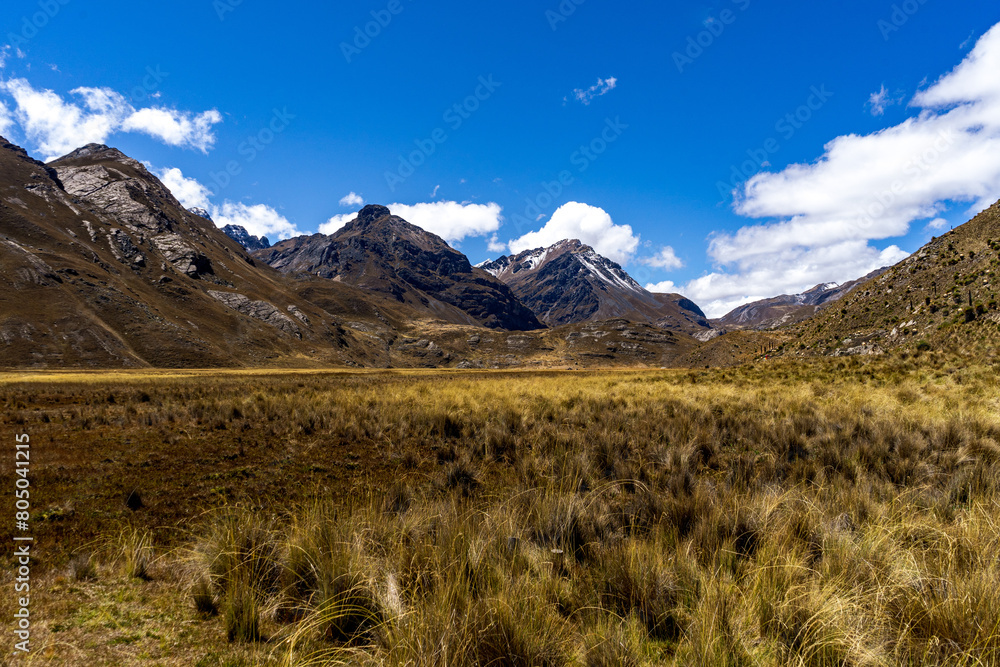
<point>382,253</point>
<point>103,267</point>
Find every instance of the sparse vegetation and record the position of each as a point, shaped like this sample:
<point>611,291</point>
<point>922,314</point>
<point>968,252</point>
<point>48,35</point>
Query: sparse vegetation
<point>813,513</point>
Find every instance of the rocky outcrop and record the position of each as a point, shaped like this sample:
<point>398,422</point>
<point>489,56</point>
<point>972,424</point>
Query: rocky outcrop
<point>258,310</point>
<point>121,187</point>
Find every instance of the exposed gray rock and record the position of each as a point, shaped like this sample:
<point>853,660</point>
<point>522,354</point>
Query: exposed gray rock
<point>125,250</point>
<point>182,256</point>
<point>258,310</point>
<point>294,310</point>
<point>122,188</point>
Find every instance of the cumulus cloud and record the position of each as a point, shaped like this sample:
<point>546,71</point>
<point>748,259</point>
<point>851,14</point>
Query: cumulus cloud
<point>494,244</point>
<point>57,126</point>
<point>352,199</point>
<point>6,119</point>
<point>864,188</point>
<point>789,272</point>
<point>665,287</point>
<point>188,191</point>
<point>176,128</point>
<point>590,224</point>
<point>666,259</point>
<point>602,87</point>
<point>336,222</point>
<point>258,219</point>
<point>452,221</point>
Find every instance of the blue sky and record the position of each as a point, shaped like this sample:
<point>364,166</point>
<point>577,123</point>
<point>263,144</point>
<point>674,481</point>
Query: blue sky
<point>621,126</point>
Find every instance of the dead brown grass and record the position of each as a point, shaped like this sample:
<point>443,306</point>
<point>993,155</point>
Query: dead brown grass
<point>817,513</point>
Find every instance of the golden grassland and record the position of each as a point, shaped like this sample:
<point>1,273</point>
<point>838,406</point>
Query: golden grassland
<point>822,512</point>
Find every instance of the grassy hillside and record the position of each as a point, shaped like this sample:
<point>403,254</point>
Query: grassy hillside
<point>944,296</point>
<point>816,513</point>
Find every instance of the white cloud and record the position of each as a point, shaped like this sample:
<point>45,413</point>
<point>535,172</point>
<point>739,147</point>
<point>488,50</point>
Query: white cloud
<point>57,126</point>
<point>666,287</point>
<point>6,119</point>
<point>435,193</point>
<point>864,188</point>
<point>790,272</point>
<point>878,102</point>
<point>188,191</point>
<point>176,128</point>
<point>602,87</point>
<point>258,219</point>
<point>666,259</point>
<point>452,221</point>
<point>494,244</point>
<point>336,222</point>
<point>352,199</point>
<point>4,54</point>
<point>591,225</point>
<point>937,223</point>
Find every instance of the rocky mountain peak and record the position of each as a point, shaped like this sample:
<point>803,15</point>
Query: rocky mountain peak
<point>569,282</point>
<point>240,234</point>
<point>100,152</point>
<point>200,212</point>
<point>372,213</point>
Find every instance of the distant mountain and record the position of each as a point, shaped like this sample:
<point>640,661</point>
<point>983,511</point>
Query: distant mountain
<point>789,308</point>
<point>243,237</point>
<point>570,282</point>
<point>201,212</point>
<point>381,252</point>
<point>946,293</point>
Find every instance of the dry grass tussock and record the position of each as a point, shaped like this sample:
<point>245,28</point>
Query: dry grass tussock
<point>827,513</point>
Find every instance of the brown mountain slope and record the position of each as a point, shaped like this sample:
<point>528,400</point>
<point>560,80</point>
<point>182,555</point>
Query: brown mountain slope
<point>383,253</point>
<point>569,283</point>
<point>101,266</point>
<point>946,291</point>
